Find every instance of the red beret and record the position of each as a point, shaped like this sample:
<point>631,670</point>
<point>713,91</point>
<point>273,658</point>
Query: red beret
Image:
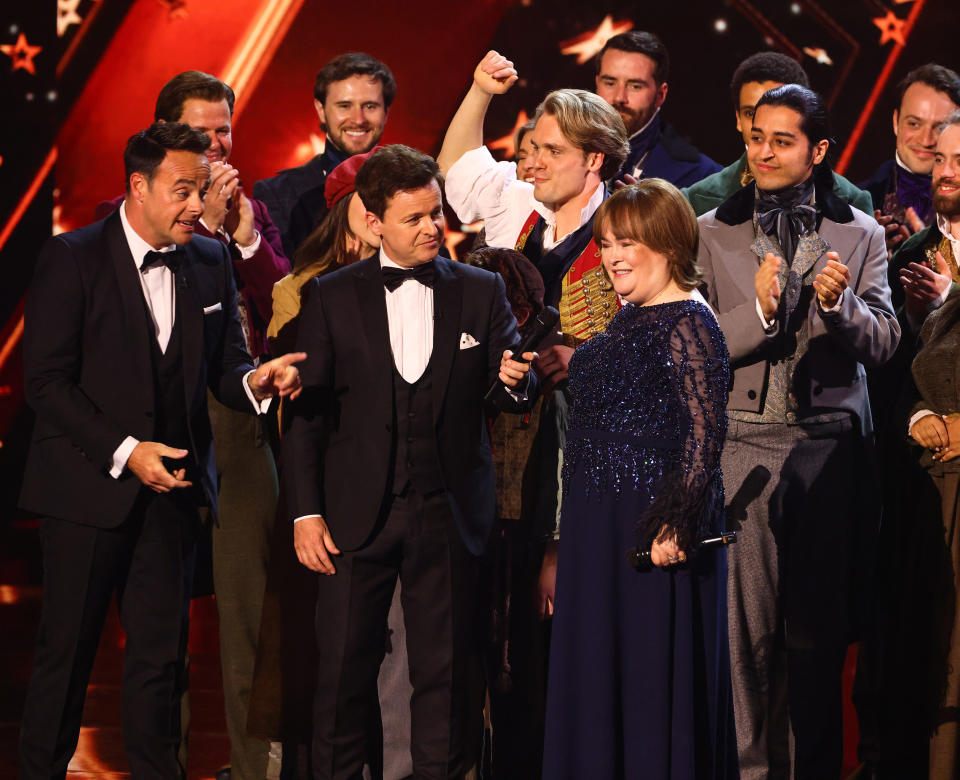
<point>341,180</point>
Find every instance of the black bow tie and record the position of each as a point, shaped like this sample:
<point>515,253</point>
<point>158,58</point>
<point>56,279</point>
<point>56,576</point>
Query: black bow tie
<point>394,277</point>
<point>171,260</point>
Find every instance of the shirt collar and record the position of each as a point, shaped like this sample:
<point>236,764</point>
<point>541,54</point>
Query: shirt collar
<point>901,163</point>
<point>138,247</point>
<point>586,213</point>
<point>386,262</point>
<point>649,122</point>
<point>944,224</point>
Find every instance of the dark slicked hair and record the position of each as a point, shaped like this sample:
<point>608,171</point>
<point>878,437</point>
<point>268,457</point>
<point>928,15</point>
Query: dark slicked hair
<point>767,66</point>
<point>190,84</point>
<point>392,169</point>
<point>815,122</point>
<point>146,149</point>
<point>640,42</point>
<point>355,63</point>
<point>936,76</point>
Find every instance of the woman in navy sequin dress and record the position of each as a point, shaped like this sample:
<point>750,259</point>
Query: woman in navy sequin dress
<point>639,674</point>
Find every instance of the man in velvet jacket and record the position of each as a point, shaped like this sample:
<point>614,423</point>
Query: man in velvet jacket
<point>128,322</point>
<point>388,469</point>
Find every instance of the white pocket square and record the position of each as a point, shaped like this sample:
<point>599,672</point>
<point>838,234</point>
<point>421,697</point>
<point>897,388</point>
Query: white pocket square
<point>212,309</point>
<point>467,341</point>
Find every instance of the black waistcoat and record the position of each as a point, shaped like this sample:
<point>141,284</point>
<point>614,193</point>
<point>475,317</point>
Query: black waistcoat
<point>416,459</point>
<point>169,395</point>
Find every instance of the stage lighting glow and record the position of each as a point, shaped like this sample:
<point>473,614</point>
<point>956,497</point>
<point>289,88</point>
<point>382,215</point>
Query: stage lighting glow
<point>720,25</point>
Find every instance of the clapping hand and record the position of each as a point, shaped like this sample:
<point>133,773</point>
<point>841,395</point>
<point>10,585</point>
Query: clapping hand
<point>768,285</point>
<point>924,286</point>
<point>831,281</point>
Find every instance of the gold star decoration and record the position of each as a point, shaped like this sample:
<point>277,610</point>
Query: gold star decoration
<point>588,44</point>
<point>67,15</point>
<point>820,55</point>
<point>891,28</point>
<point>22,54</point>
<point>506,142</point>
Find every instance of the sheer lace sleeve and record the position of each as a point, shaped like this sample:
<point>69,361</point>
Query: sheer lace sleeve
<point>690,496</point>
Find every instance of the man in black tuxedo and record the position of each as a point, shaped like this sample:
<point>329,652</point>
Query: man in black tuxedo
<point>128,322</point>
<point>387,466</point>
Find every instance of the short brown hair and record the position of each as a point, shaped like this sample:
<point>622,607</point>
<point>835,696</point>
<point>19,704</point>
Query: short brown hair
<point>190,84</point>
<point>392,169</point>
<point>655,213</point>
<point>590,123</point>
<point>355,63</point>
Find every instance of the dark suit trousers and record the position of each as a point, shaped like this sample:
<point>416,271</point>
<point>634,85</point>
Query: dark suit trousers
<point>419,541</point>
<point>247,502</point>
<point>148,561</point>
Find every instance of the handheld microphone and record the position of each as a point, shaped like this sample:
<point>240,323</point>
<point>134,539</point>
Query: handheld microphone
<point>641,560</point>
<point>498,395</point>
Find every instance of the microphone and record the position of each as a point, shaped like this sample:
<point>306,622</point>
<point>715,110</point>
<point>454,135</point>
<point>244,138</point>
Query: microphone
<point>498,395</point>
<point>641,560</point>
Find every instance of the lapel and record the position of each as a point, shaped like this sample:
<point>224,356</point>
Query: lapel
<point>133,303</point>
<point>190,314</point>
<point>842,238</point>
<point>447,304</point>
<point>734,251</point>
<point>372,307</point>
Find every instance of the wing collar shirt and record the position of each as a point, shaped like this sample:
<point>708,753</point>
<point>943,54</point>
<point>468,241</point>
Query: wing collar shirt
<point>157,283</point>
<point>479,187</point>
<point>410,319</point>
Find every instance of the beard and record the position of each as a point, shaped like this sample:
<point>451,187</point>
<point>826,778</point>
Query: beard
<point>946,205</point>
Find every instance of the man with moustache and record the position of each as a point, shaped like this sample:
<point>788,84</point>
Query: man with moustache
<point>900,187</point>
<point>246,471</point>
<point>352,96</point>
<point>758,73</point>
<point>799,281</point>
<point>129,322</point>
<point>632,72</point>
<point>388,469</point>
<point>928,261</point>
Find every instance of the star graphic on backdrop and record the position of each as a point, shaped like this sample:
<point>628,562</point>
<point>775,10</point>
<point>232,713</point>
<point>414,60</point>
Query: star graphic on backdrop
<point>67,15</point>
<point>506,142</point>
<point>588,44</point>
<point>22,54</point>
<point>891,28</point>
<point>902,2</point>
<point>304,150</point>
<point>453,240</point>
<point>820,55</point>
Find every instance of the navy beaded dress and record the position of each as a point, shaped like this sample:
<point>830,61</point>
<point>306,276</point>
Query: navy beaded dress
<point>639,679</point>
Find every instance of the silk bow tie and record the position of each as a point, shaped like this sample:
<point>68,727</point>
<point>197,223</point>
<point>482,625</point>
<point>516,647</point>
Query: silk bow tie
<point>394,277</point>
<point>171,260</point>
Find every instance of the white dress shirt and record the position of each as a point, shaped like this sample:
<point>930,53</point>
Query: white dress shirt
<point>479,187</point>
<point>410,319</point>
<point>157,283</point>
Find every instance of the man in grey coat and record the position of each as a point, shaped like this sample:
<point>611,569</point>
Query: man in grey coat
<point>798,279</point>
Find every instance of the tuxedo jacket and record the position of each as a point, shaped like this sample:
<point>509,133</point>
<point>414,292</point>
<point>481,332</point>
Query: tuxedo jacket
<point>864,332</point>
<point>337,453</point>
<point>88,370</point>
<point>254,276</point>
